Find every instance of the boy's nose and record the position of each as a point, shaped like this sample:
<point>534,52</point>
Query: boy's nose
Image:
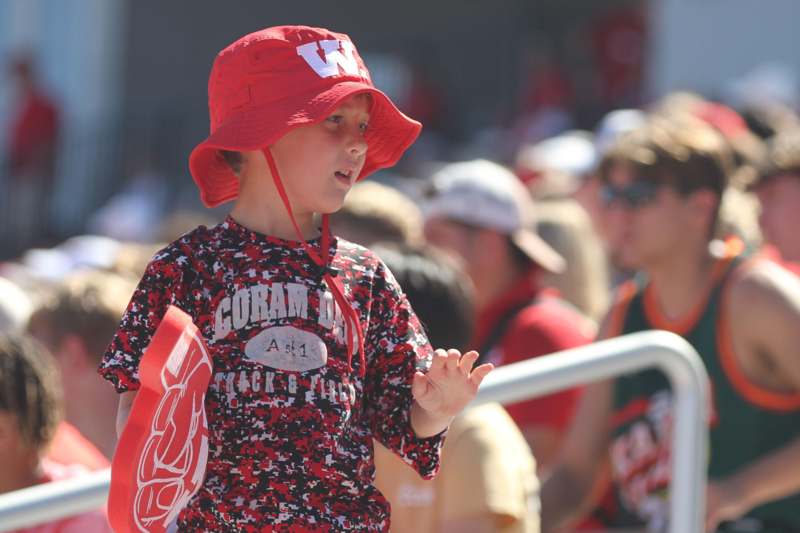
<point>357,145</point>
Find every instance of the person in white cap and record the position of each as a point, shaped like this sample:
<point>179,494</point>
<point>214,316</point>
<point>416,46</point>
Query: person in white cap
<point>482,213</point>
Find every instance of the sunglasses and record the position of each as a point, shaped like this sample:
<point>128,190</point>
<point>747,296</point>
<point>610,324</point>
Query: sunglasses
<point>636,194</point>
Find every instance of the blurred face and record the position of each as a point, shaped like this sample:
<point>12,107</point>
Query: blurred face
<point>481,252</point>
<point>589,196</point>
<point>484,255</point>
<point>646,222</point>
<point>22,74</point>
<point>454,237</point>
<point>780,214</point>
<point>319,163</point>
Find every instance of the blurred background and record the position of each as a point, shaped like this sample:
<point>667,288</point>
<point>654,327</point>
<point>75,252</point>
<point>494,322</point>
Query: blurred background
<point>101,102</point>
<point>127,79</point>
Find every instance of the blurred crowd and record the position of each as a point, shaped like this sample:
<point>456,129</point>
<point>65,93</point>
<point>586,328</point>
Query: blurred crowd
<point>516,257</point>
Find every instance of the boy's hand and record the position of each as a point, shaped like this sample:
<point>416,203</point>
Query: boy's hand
<point>449,385</point>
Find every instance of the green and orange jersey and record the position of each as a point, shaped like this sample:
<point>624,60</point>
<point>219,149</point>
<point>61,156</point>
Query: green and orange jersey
<point>746,422</point>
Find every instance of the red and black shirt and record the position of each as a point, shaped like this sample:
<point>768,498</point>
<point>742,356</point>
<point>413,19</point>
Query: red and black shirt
<point>290,425</point>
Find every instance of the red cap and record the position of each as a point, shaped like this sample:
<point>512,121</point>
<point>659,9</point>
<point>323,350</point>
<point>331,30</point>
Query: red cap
<point>727,121</point>
<point>277,79</point>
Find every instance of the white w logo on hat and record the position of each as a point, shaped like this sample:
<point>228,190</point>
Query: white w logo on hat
<point>335,57</point>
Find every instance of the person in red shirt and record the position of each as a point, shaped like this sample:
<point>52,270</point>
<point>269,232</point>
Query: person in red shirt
<point>30,412</point>
<point>30,158</point>
<point>34,130</point>
<point>70,447</point>
<point>482,213</point>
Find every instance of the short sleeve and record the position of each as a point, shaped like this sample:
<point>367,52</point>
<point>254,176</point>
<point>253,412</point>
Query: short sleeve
<point>397,347</point>
<point>159,287</point>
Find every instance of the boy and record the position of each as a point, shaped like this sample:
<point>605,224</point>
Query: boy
<point>291,410</point>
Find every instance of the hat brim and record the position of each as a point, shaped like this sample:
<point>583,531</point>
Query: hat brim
<point>390,134</point>
<point>538,251</point>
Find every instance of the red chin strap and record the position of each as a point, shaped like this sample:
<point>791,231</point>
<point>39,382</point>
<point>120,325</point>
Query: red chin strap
<point>353,332</point>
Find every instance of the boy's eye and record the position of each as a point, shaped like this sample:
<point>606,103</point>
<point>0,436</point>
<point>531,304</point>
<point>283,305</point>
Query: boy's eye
<point>336,119</point>
<point>364,126</point>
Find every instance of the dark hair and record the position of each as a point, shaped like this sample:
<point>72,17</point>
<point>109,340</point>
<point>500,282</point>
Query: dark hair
<point>437,290</point>
<point>783,155</point>
<point>233,159</point>
<point>29,389</point>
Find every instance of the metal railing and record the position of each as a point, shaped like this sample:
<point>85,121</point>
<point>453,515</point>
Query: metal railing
<point>52,501</point>
<point>606,359</point>
<point>519,381</point>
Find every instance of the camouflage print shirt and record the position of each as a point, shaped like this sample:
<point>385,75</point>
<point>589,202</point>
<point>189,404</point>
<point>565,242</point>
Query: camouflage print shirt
<point>290,426</point>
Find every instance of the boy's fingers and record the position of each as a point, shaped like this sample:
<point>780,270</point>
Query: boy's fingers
<point>467,360</point>
<point>479,373</point>
<point>439,359</point>
<point>419,385</point>
<point>453,357</point>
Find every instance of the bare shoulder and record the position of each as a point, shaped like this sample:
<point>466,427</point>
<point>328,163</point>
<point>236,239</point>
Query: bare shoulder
<point>763,310</point>
<point>762,286</point>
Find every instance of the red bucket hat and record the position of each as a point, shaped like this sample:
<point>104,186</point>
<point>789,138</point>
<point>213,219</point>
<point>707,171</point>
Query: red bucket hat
<point>277,79</point>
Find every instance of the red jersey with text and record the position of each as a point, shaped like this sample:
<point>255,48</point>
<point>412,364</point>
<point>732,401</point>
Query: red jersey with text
<point>290,425</point>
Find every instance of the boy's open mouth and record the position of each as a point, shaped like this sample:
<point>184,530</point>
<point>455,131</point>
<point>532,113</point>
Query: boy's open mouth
<point>344,175</point>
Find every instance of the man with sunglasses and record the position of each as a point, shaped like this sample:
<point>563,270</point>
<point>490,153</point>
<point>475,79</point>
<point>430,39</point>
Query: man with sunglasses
<point>662,185</point>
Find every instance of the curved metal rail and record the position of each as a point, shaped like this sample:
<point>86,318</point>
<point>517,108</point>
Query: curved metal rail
<point>519,381</point>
